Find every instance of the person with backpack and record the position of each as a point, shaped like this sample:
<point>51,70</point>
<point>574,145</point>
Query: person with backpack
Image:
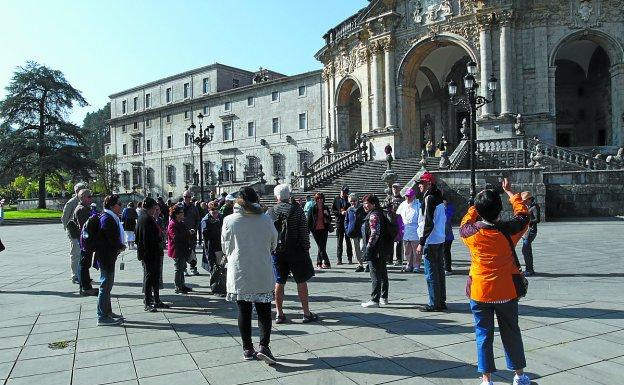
<point>339,209</point>
<point>320,224</point>
<point>409,211</point>
<point>72,231</point>
<point>192,221</point>
<point>374,232</point>
<point>110,243</point>
<point>211,225</point>
<point>391,204</point>
<point>248,239</point>
<point>81,215</point>
<point>129,218</point>
<point>494,273</point>
<point>291,254</point>
<point>150,252</point>
<point>353,229</point>
<point>432,233</point>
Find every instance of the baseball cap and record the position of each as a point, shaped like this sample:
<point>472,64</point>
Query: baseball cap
<point>426,177</point>
<point>410,192</point>
<point>230,198</point>
<point>396,185</point>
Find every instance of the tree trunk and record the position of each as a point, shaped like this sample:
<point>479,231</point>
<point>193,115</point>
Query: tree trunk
<point>42,174</point>
<point>42,191</point>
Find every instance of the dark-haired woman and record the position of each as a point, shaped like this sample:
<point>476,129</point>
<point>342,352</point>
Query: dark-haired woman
<point>319,223</point>
<point>372,233</point>
<point>179,246</point>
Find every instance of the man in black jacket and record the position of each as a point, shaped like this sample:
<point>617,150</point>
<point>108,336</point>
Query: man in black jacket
<point>294,256</point>
<point>150,252</point>
<point>81,215</point>
<point>339,209</point>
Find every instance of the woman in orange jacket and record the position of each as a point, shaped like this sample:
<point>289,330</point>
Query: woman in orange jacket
<point>490,285</point>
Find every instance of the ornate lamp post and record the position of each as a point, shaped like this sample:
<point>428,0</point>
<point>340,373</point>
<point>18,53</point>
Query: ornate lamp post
<point>472,102</point>
<point>203,138</point>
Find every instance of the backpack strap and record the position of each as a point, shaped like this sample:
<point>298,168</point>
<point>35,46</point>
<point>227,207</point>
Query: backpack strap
<point>511,245</point>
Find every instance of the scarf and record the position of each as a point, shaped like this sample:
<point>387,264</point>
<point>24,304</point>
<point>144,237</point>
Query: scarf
<point>122,235</point>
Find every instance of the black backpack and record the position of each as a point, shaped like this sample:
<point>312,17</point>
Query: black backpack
<point>218,279</point>
<point>389,227</point>
<point>283,238</point>
<point>89,233</point>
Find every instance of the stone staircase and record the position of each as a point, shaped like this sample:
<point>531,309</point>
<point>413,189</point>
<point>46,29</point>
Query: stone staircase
<point>364,178</point>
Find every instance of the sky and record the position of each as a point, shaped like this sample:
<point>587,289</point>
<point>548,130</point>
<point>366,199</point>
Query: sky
<point>107,46</point>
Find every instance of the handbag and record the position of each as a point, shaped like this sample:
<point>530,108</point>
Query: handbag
<point>520,282</point>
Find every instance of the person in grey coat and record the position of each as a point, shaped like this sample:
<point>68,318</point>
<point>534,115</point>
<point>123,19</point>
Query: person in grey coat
<point>73,232</point>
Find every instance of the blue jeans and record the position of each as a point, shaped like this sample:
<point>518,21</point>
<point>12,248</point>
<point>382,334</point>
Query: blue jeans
<point>107,279</point>
<point>507,316</point>
<point>433,255</point>
<point>527,251</point>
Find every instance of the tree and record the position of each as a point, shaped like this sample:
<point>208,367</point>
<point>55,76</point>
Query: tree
<point>96,131</point>
<point>35,137</point>
<point>107,179</point>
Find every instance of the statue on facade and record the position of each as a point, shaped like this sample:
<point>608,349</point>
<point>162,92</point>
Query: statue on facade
<point>196,178</point>
<point>519,125</point>
<point>220,176</point>
<point>464,129</point>
<point>389,157</point>
<point>328,145</point>
<point>261,174</point>
<point>445,10</point>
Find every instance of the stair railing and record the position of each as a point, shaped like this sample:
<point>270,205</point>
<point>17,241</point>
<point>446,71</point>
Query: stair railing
<point>458,155</point>
<point>537,147</point>
<point>323,171</point>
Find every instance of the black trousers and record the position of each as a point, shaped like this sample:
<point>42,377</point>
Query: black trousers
<point>151,281</point>
<point>320,237</point>
<point>379,278</point>
<point>342,237</point>
<point>447,255</point>
<point>263,310</point>
<point>396,248</point>
<point>83,267</point>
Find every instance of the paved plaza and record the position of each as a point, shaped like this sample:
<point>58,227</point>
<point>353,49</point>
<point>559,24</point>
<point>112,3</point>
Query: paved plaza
<point>572,322</point>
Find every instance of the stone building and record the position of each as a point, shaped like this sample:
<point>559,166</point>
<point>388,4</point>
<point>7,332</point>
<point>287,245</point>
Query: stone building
<point>560,64</point>
<point>262,120</point>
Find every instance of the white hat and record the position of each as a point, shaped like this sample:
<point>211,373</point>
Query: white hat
<point>230,198</point>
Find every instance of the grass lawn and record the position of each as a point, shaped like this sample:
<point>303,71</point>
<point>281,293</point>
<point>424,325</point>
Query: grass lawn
<point>10,213</point>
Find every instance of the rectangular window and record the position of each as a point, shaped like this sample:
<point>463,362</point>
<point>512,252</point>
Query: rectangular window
<point>188,172</point>
<point>206,85</point>
<point>124,149</point>
<point>148,100</point>
<point>168,96</point>
<point>275,96</point>
<point>251,129</point>
<point>235,83</point>
<point>135,103</point>
<point>301,90</point>
<point>123,107</point>
<point>227,106</point>
<point>168,118</point>
<point>187,90</point>
<point>148,122</point>
<point>136,176</point>
<point>136,146</point>
<point>228,170</point>
<point>303,121</point>
<point>187,114</point>
<point>169,141</point>
<point>148,145</point>
<point>170,174</point>
<point>275,126</point>
<point>206,110</point>
<point>187,139</point>
<point>250,101</point>
<point>227,131</point>
<point>123,129</point>
<point>125,176</point>
<point>136,125</point>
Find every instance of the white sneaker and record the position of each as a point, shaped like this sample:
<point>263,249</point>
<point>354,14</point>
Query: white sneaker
<point>370,303</point>
<point>487,383</point>
<point>186,273</point>
<point>522,379</point>
<point>383,301</point>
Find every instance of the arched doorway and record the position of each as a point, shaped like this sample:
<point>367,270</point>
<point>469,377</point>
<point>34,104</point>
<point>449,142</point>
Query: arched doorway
<point>424,74</point>
<point>348,114</point>
<point>583,95</point>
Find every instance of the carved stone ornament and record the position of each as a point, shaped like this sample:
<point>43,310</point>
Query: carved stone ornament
<point>585,14</point>
<point>345,62</point>
<point>328,71</point>
<point>585,10</point>
<point>431,13</point>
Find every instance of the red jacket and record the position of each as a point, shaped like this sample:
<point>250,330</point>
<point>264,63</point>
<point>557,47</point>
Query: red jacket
<point>178,240</point>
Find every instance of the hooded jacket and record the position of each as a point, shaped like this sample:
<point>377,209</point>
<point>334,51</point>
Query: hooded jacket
<point>248,236</point>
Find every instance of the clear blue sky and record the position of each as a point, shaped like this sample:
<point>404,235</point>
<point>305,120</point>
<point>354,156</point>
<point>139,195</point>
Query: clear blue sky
<point>107,46</point>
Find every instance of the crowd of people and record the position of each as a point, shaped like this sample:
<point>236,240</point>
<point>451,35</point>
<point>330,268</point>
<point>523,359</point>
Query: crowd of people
<point>261,248</point>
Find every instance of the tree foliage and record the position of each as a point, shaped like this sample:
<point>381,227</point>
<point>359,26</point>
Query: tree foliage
<point>96,132</point>
<point>107,177</point>
<point>36,139</point>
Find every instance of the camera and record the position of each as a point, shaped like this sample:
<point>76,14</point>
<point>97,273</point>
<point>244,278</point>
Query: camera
<point>494,182</point>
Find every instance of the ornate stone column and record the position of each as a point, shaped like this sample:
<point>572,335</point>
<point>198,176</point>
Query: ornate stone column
<point>376,49</point>
<point>617,105</point>
<point>485,65</point>
<point>328,105</point>
<point>389,46</point>
<point>506,97</point>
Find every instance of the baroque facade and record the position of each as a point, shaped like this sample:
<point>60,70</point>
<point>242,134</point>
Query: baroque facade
<point>263,121</point>
<point>559,64</point>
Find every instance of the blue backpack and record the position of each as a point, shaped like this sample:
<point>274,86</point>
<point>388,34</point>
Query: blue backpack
<point>89,233</point>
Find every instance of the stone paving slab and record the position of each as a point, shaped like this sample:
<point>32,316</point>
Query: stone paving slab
<point>572,323</point>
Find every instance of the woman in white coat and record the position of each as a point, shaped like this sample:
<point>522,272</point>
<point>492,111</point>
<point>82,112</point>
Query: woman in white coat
<point>248,237</point>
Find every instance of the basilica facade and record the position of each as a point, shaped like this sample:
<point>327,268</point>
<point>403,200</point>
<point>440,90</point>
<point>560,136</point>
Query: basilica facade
<point>559,65</point>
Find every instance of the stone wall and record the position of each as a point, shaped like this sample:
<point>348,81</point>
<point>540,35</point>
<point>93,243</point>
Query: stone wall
<point>584,193</point>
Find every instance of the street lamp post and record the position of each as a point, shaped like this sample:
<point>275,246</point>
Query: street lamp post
<point>203,138</point>
<point>472,102</point>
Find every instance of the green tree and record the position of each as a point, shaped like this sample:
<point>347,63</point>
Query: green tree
<point>96,131</point>
<point>107,177</point>
<point>35,136</point>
